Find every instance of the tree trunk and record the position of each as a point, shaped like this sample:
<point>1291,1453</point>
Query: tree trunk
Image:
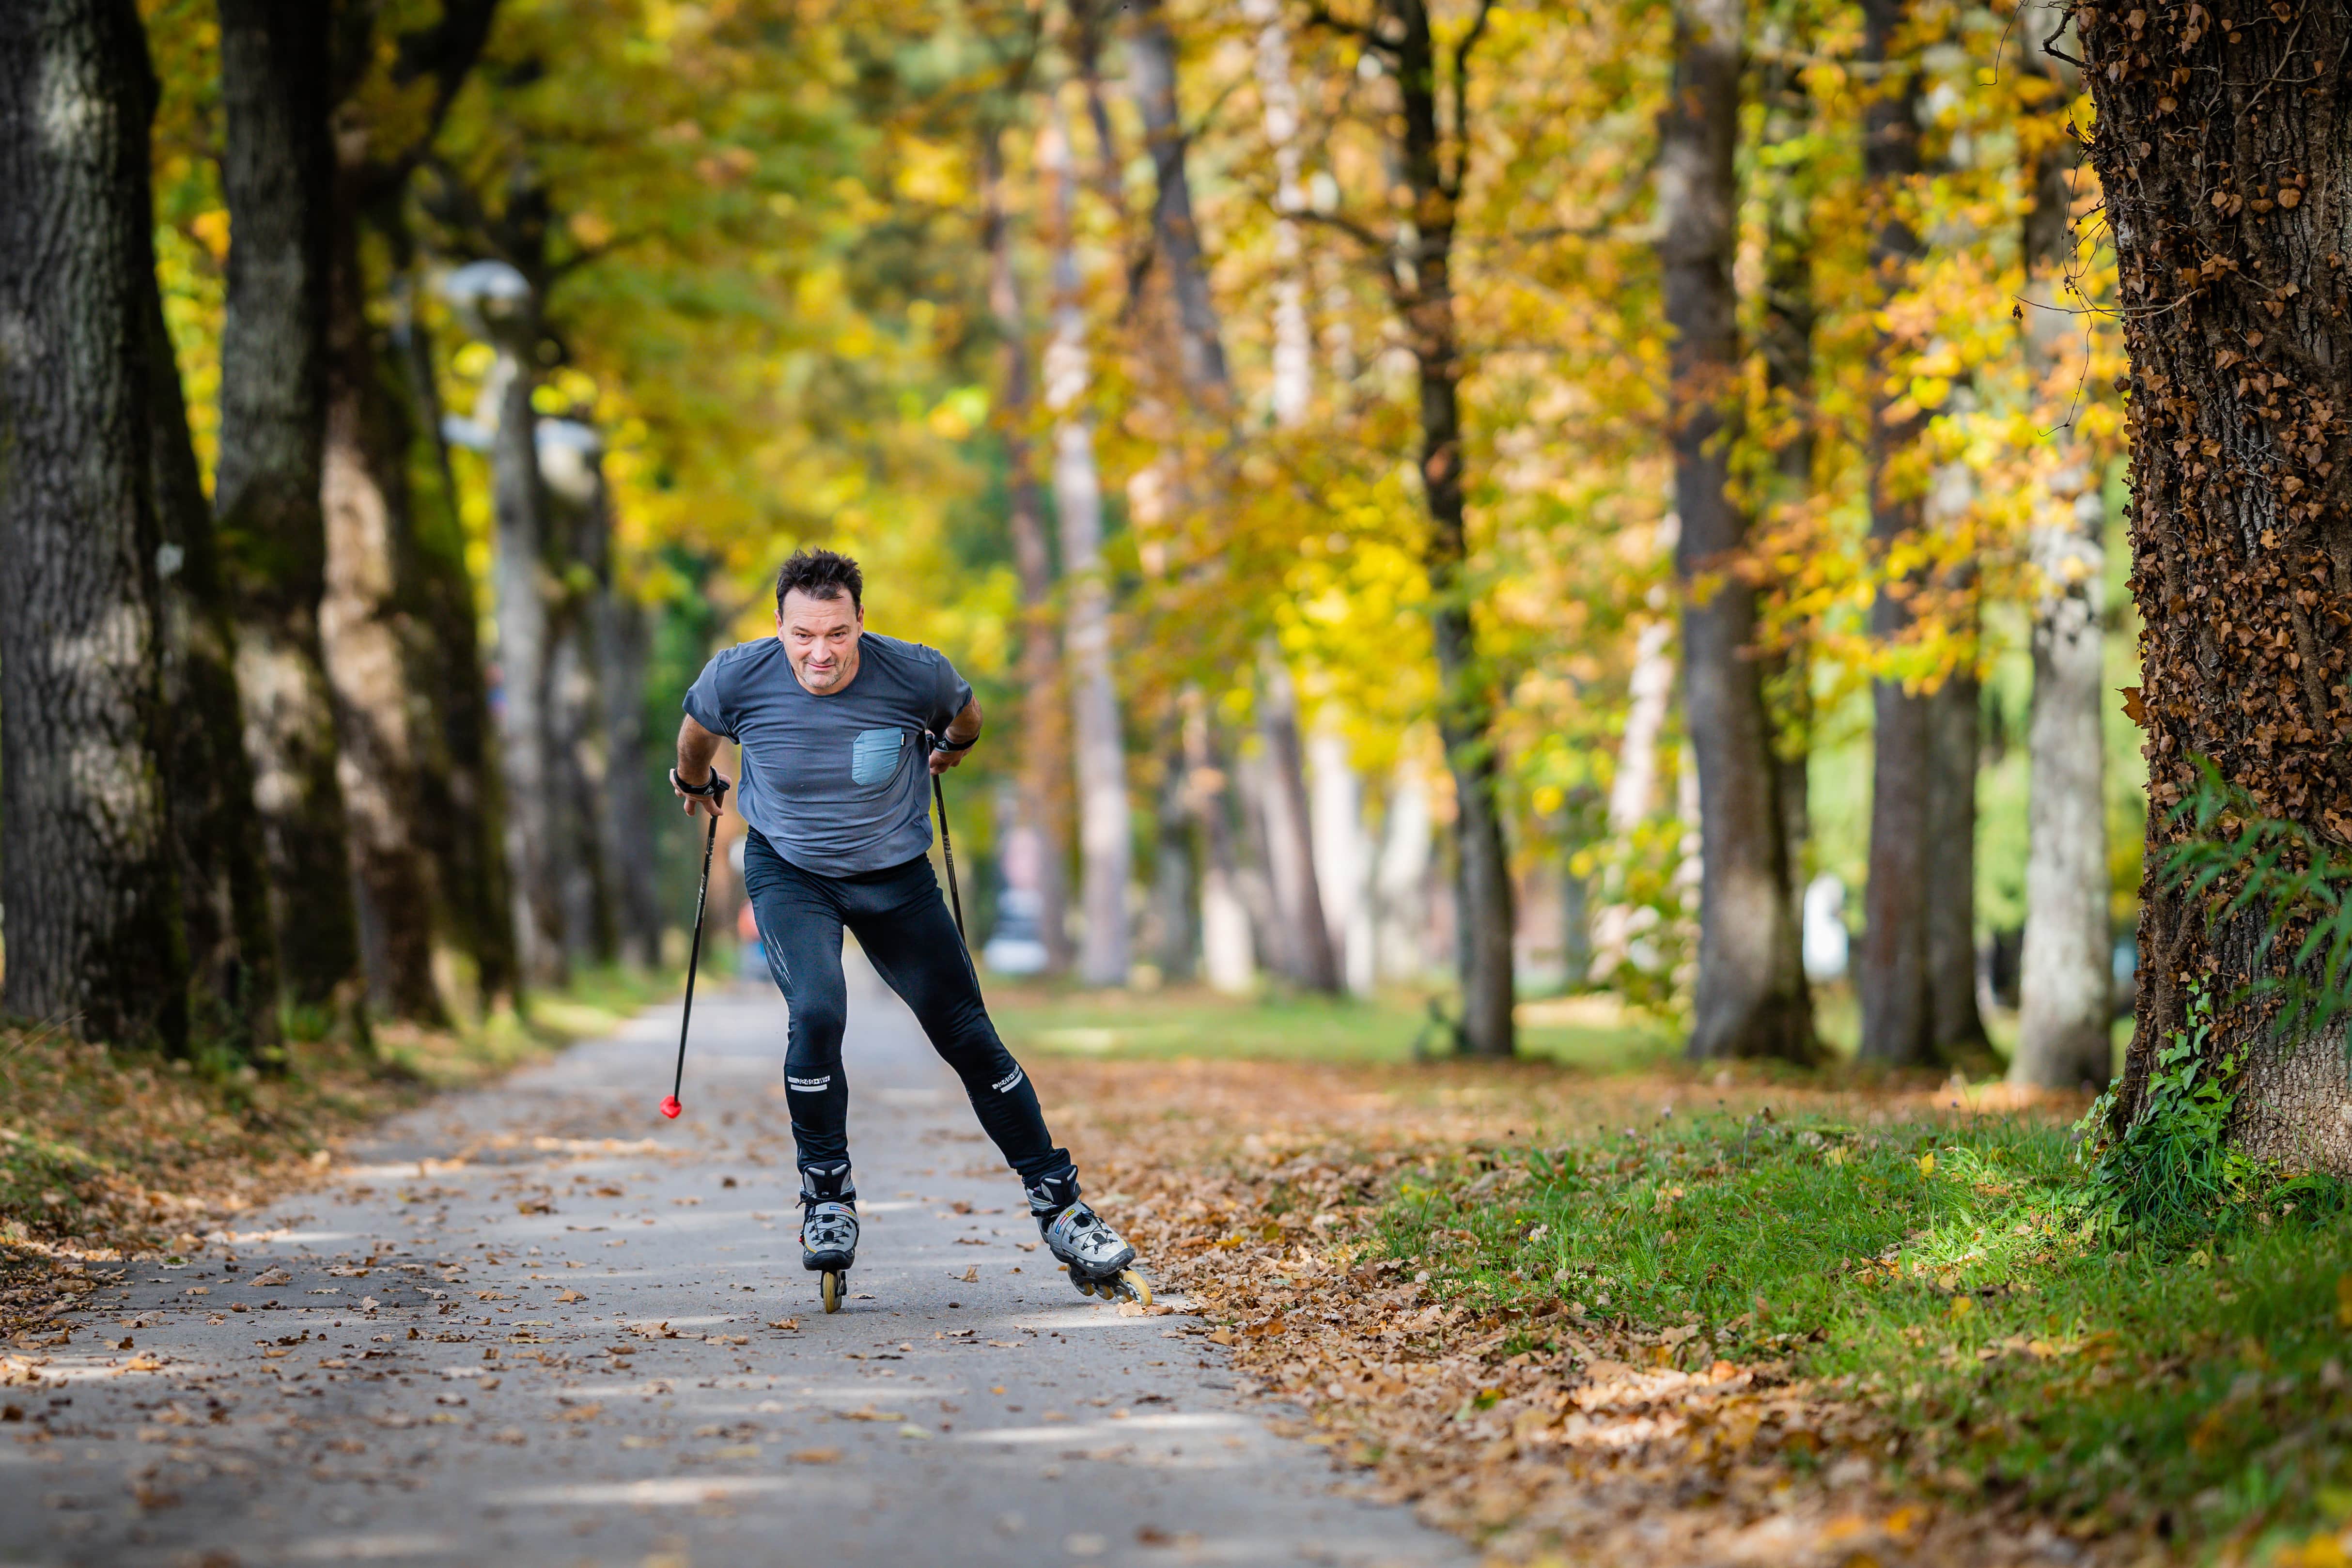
<point>1228,955</point>
<point>519,572</point>
<point>216,827</point>
<point>1465,716</point>
<point>574,749</point>
<point>1897,1016</point>
<point>1172,872</point>
<point>1400,878</point>
<point>1290,852</point>
<point>1786,345</point>
<point>1105,835</point>
<point>277,174</point>
<point>1342,857</point>
<point>2065,981</point>
<point>459,786</point>
<point>87,875</point>
<point>1294,346</point>
<point>363,634</point>
<point>1751,998</point>
<point>571,464</point>
<point>1043,801</point>
<point>1957,1026</point>
<point>2227,212</point>
<point>1633,790</point>
<point>627,819</point>
<point>1151,67</point>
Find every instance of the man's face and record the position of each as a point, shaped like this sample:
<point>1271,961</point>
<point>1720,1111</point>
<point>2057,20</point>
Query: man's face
<point>820,638</point>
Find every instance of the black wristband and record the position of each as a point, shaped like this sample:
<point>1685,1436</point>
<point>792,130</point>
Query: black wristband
<point>714,791</point>
<point>941,743</point>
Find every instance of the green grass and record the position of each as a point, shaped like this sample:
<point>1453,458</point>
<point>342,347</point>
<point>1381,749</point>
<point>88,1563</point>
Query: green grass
<point>1587,1033</point>
<point>1939,1270</point>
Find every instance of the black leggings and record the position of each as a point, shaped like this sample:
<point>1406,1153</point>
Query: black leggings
<point>904,926</point>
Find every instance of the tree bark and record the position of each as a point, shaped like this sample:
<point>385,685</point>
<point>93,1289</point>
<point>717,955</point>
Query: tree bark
<point>1228,955</point>
<point>1173,948</point>
<point>1105,835</point>
<point>277,174</point>
<point>519,574</point>
<point>1786,345</point>
<point>1294,346</point>
<point>215,828</point>
<point>1290,853</point>
<point>460,786</point>
<point>1897,1015</point>
<point>2227,210</point>
<point>1466,719</point>
<point>1041,804</point>
<point>1957,1026</point>
<point>1751,998</point>
<point>87,873</point>
<point>570,463</point>
<point>363,635</point>
<point>2065,980</point>
<point>627,819</point>
<point>1342,855</point>
<point>1152,66</point>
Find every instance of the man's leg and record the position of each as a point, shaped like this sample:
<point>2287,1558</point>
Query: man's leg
<point>800,928</point>
<point>904,927</point>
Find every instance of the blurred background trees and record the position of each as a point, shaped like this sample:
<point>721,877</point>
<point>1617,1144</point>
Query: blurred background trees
<point>1457,501</point>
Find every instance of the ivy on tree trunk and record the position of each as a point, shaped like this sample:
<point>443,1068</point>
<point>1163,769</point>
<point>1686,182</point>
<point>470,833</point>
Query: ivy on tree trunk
<point>2222,150</point>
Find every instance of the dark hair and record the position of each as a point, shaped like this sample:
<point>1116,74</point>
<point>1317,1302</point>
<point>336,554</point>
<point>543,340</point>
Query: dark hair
<point>820,574</point>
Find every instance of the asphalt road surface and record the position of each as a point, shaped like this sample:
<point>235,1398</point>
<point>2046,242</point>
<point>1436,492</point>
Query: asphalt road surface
<point>536,1324</point>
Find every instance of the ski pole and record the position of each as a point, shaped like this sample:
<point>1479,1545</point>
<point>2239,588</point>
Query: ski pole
<point>671,1106</point>
<point>947,852</point>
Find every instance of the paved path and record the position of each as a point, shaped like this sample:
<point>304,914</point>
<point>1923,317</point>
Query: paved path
<point>537,1325</point>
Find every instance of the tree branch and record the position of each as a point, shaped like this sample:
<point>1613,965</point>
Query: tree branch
<point>1319,16</point>
<point>1451,182</point>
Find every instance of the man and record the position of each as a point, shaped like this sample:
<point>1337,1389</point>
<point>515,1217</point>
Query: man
<point>842,730</point>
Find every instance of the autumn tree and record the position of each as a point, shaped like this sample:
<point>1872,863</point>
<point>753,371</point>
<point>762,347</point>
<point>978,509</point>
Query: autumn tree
<point>2221,155</point>
<point>1432,143</point>
<point>388,105</point>
<point>1751,1000</point>
<point>87,863</point>
<point>277,172</point>
<point>1895,976</point>
<point>2064,982</point>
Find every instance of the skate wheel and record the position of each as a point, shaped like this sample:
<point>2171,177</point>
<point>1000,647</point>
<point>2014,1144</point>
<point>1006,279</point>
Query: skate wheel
<point>1131,1284</point>
<point>829,1286</point>
<point>1085,1286</point>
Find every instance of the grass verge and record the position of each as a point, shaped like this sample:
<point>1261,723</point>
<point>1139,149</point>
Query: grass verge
<point>1192,1023</point>
<point>1938,1275</point>
<point>1865,1325</point>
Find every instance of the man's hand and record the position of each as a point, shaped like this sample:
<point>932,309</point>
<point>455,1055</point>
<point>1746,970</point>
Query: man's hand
<point>695,748</point>
<point>961,734</point>
<point>714,803</point>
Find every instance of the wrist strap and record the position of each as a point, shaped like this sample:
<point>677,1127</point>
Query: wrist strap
<point>941,743</point>
<point>714,790</point>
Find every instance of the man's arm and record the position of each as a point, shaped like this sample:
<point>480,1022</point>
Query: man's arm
<point>695,748</point>
<point>961,732</point>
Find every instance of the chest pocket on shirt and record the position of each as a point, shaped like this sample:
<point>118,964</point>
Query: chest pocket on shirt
<point>874,756</point>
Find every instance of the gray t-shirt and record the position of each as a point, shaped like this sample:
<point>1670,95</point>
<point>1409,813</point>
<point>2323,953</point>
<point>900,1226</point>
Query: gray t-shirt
<point>836,783</point>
